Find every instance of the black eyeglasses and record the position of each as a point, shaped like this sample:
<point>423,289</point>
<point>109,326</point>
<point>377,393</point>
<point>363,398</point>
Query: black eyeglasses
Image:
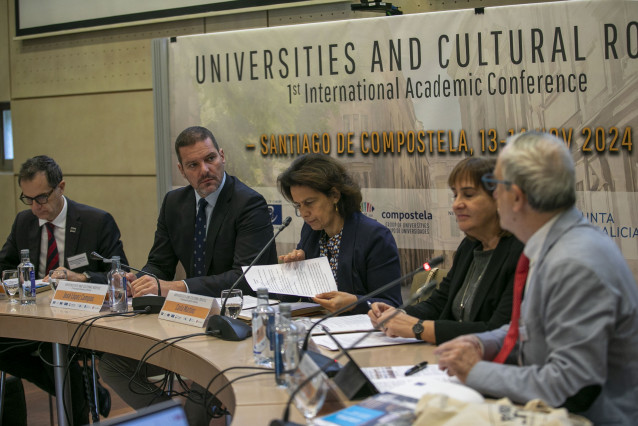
<point>40,199</point>
<point>490,182</point>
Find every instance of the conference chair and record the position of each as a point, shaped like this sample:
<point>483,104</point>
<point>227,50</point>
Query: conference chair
<point>424,278</point>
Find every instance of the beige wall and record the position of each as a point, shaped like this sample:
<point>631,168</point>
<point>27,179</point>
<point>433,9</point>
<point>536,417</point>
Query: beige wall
<point>4,52</point>
<point>86,100</point>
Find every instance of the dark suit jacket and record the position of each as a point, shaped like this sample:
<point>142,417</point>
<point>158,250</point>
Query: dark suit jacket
<point>239,228</point>
<point>368,259</point>
<point>492,306</point>
<point>87,229</point>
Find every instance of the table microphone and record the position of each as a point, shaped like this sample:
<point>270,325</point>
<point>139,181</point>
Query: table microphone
<point>350,379</point>
<point>425,267</point>
<point>227,328</point>
<point>150,304</point>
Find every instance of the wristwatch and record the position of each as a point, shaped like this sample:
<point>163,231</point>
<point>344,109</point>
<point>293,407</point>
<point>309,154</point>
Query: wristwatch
<point>417,329</point>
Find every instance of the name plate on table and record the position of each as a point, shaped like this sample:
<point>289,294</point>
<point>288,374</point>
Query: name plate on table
<point>187,308</point>
<point>80,296</point>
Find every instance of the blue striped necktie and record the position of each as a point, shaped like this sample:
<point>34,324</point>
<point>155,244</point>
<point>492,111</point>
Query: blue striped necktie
<point>200,239</point>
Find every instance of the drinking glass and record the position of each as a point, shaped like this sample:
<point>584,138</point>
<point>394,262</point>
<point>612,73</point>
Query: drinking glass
<point>55,276</point>
<point>234,303</point>
<point>310,398</point>
<point>11,284</point>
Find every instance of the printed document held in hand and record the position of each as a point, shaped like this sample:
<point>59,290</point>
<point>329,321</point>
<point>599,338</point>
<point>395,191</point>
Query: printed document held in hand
<point>303,278</point>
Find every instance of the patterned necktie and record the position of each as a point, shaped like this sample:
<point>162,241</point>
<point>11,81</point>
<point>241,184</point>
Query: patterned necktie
<point>520,277</point>
<point>200,239</point>
<point>53,259</point>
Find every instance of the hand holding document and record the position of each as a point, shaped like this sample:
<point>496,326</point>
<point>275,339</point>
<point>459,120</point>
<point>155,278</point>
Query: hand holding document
<point>303,278</point>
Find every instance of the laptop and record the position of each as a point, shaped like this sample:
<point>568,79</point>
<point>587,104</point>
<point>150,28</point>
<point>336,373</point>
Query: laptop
<point>166,412</point>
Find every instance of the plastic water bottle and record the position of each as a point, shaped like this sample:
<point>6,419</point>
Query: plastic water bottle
<point>117,300</point>
<point>286,349</point>
<point>26,275</point>
<point>263,323</point>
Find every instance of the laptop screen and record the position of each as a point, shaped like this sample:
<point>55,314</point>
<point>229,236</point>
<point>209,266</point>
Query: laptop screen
<point>167,412</point>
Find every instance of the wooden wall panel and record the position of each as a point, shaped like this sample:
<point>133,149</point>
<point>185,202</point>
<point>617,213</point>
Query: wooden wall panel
<point>91,62</point>
<point>241,21</point>
<point>5,94</point>
<point>318,13</point>
<point>9,204</point>
<point>420,6</point>
<point>104,134</point>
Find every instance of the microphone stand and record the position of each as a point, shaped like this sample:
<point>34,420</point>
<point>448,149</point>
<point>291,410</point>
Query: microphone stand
<point>342,351</point>
<point>227,328</point>
<point>425,267</point>
<point>153,303</point>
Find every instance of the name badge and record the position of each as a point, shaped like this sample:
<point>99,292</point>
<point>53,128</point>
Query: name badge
<point>187,308</point>
<point>81,296</point>
<point>77,261</point>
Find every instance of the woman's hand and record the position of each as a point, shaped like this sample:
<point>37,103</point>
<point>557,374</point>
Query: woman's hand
<point>293,256</point>
<point>376,310</point>
<point>400,325</point>
<point>334,300</point>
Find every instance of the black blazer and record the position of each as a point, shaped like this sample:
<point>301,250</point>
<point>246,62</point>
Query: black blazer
<point>87,229</point>
<point>368,259</point>
<point>492,306</point>
<point>239,228</point>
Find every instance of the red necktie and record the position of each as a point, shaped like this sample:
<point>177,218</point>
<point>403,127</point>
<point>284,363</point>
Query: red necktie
<point>520,277</point>
<point>53,259</point>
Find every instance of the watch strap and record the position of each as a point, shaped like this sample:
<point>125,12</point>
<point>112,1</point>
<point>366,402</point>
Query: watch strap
<point>418,329</point>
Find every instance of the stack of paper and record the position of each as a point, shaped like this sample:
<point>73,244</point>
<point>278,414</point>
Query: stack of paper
<point>373,340</point>
<point>345,324</point>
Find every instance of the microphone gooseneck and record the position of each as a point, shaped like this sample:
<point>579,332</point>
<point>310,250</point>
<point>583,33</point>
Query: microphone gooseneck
<point>97,256</point>
<point>149,304</point>
<point>227,328</point>
<point>355,370</point>
<point>283,226</point>
<point>425,267</point>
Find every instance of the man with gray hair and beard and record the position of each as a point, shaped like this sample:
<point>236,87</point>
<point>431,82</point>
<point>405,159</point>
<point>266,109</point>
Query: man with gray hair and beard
<point>574,340</point>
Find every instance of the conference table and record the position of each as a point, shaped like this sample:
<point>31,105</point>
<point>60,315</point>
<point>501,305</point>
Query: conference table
<point>254,400</point>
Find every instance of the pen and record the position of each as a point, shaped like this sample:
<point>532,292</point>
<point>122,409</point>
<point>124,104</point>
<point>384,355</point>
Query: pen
<point>420,366</point>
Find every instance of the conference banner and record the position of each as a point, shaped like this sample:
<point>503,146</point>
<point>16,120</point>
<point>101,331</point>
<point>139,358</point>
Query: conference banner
<point>402,99</point>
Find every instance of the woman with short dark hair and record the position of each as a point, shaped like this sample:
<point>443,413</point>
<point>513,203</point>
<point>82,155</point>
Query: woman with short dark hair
<point>476,295</point>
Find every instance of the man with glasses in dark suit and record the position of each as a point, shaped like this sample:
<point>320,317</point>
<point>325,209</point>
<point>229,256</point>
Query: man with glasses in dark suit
<point>59,234</point>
